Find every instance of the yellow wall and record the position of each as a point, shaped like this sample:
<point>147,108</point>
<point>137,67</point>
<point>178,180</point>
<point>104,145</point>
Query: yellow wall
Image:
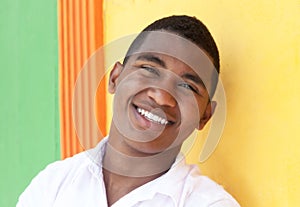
<point>257,159</point>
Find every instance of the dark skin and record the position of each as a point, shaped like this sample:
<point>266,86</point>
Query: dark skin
<point>118,186</point>
<point>143,70</point>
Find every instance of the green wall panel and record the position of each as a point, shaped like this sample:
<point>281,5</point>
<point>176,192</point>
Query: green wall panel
<point>29,119</point>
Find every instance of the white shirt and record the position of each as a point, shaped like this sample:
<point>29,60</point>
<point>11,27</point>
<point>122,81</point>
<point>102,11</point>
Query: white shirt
<point>78,182</point>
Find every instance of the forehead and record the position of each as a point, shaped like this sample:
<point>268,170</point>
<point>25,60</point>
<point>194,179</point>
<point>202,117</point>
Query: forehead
<point>175,46</point>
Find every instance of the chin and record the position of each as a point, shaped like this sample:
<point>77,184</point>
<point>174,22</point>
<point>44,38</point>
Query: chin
<point>146,148</point>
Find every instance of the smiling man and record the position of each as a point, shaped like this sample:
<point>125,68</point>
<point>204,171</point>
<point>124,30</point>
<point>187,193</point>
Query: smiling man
<point>163,93</point>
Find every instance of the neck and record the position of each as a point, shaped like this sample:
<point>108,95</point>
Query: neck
<point>123,173</point>
<point>129,158</point>
<point>138,167</point>
<point>126,168</point>
<point>118,186</point>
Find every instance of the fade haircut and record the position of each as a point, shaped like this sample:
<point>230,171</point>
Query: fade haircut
<point>185,26</point>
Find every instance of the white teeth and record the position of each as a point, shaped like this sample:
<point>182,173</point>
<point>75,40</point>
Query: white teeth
<point>152,117</point>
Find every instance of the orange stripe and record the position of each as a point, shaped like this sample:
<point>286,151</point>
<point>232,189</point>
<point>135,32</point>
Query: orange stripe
<point>80,34</point>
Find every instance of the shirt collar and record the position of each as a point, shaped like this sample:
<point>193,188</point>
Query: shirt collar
<point>162,185</point>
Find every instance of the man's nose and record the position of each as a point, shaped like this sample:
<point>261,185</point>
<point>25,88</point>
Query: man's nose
<point>161,97</point>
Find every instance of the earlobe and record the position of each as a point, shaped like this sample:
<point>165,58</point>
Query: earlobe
<point>209,111</point>
<point>113,77</point>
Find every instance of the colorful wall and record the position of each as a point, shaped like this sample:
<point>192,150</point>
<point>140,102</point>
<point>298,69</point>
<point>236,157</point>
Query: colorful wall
<point>29,117</point>
<point>257,159</point>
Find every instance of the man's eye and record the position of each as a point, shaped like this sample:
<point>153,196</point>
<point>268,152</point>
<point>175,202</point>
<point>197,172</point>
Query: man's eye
<point>150,69</point>
<point>188,86</point>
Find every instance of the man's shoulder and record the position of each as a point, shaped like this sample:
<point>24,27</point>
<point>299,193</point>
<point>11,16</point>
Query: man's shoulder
<point>197,188</point>
<point>67,164</point>
<point>60,175</point>
<point>76,162</point>
<point>62,170</point>
<point>202,188</point>
<point>54,178</point>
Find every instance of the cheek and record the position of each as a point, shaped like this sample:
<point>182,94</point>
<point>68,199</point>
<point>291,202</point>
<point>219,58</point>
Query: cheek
<point>190,114</point>
<point>135,81</point>
<point>127,85</point>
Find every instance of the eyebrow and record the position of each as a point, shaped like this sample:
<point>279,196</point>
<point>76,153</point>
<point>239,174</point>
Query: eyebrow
<point>193,78</point>
<point>152,58</point>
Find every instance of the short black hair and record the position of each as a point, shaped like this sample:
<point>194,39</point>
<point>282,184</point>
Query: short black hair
<point>185,26</point>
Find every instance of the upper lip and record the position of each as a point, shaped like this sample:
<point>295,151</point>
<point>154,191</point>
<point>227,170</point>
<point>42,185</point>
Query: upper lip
<point>167,116</point>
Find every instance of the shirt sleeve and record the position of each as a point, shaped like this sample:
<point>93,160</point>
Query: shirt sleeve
<point>43,189</point>
<point>207,193</point>
<point>35,194</point>
<point>50,182</point>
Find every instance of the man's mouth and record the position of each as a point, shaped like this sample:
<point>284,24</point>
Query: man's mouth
<point>152,117</point>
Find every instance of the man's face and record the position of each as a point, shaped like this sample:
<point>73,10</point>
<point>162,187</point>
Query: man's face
<point>160,94</point>
<point>158,103</point>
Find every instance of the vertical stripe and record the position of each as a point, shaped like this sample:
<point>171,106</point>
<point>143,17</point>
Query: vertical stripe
<point>80,34</point>
<point>29,123</point>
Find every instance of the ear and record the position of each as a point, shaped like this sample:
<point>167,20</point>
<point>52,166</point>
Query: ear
<point>210,109</point>
<point>113,77</point>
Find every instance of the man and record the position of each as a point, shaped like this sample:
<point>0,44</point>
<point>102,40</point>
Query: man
<point>163,93</point>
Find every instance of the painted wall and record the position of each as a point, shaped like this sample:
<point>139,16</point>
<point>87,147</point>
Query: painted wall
<point>257,159</point>
<point>29,128</point>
